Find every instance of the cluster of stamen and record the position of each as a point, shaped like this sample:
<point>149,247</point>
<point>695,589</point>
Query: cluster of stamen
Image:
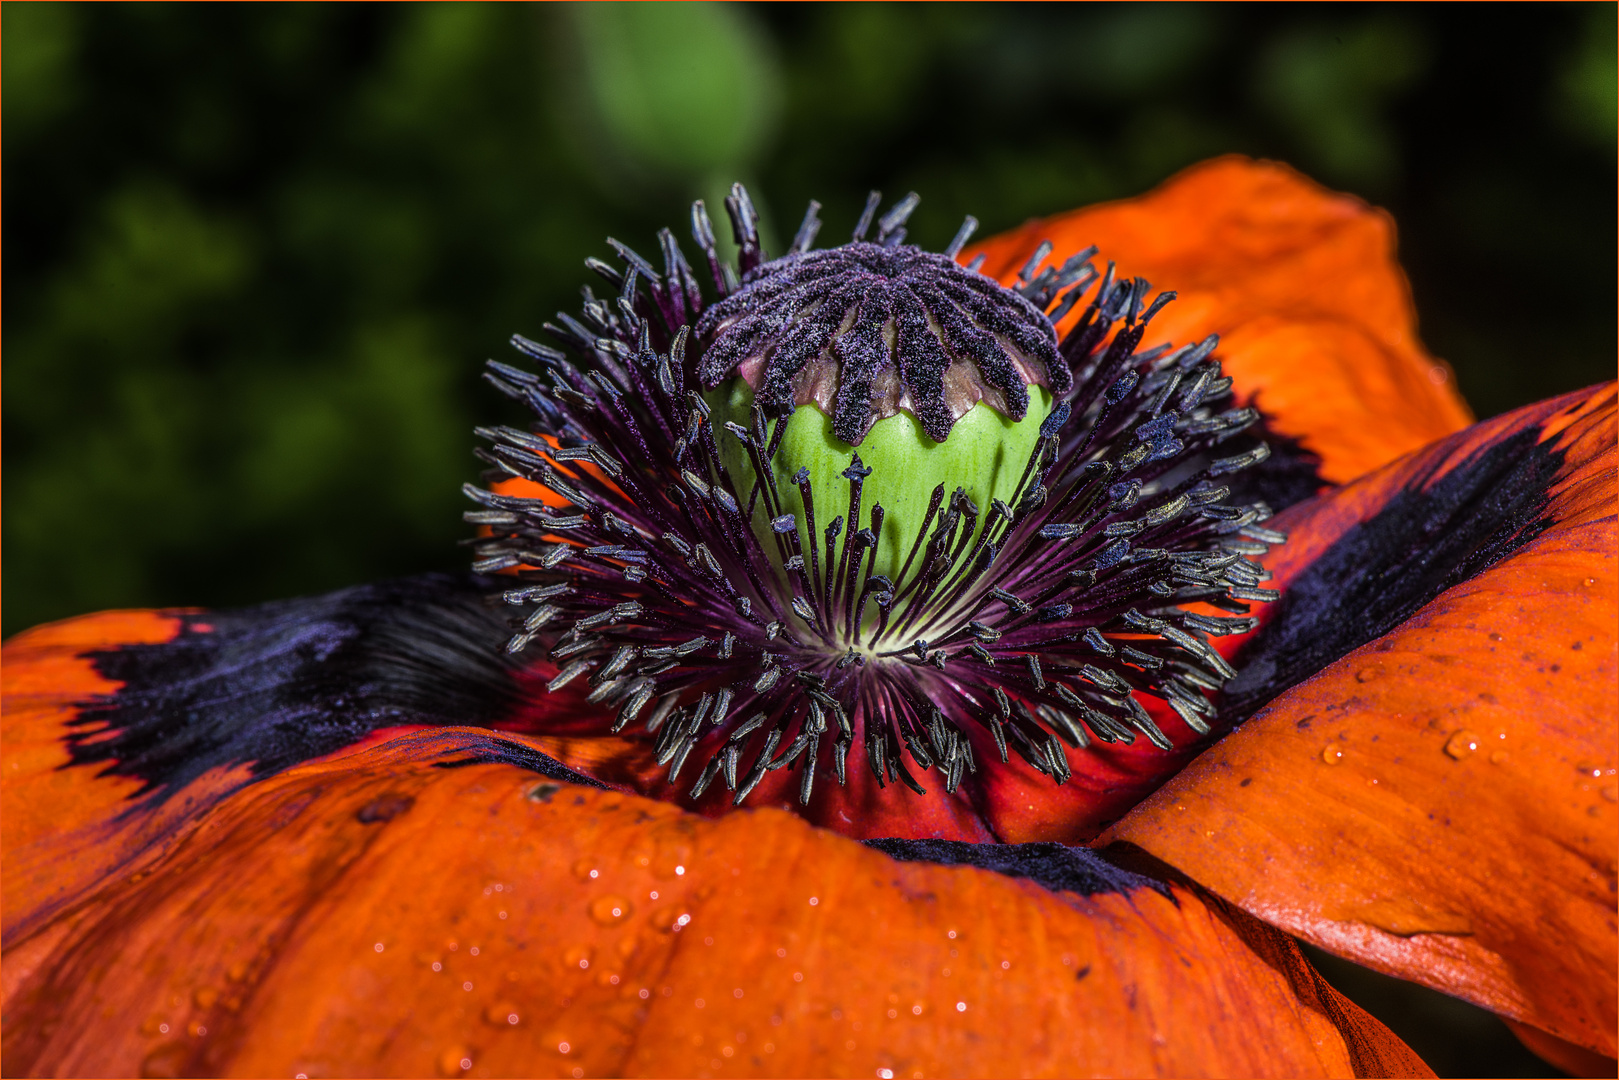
<point>1035,625</point>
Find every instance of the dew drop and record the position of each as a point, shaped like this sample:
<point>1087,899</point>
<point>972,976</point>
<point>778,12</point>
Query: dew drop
<point>454,1061</point>
<point>1461,744</point>
<point>205,997</point>
<point>585,869</point>
<point>502,1014</point>
<point>170,1059</point>
<point>1332,755</point>
<point>610,910</point>
<point>578,958</point>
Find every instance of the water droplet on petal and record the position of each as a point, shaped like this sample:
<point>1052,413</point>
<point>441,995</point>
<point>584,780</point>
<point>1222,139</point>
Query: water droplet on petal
<point>577,958</point>
<point>1332,755</point>
<point>170,1059</point>
<point>610,910</point>
<point>502,1014</point>
<point>1461,744</point>
<point>454,1061</point>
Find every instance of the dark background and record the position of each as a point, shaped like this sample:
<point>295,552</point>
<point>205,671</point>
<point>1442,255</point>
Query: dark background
<point>256,255</point>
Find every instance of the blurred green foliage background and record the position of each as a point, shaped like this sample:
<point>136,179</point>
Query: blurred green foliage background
<point>256,255</point>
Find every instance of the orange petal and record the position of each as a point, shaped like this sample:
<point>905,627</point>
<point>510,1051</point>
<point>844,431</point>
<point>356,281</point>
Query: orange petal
<point>1574,1060</point>
<point>1314,314</point>
<point>63,829</point>
<point>1440,804</point>
<point>380,915</point>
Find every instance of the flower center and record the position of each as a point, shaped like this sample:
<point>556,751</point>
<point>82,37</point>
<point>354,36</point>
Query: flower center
<point>839,514</point>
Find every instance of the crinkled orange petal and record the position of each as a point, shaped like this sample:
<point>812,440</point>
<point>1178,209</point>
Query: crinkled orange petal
<point>1441,804</point>
<point>66,828</point>
<point>1314,314</point>
<point>61,834</point>
<point>381,915</point>
<point>1574,1060</point>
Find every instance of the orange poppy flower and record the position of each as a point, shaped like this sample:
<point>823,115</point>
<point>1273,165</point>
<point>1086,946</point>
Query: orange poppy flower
<point>345,836</point>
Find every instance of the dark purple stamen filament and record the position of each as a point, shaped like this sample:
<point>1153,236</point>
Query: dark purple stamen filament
<point>1037,620</point>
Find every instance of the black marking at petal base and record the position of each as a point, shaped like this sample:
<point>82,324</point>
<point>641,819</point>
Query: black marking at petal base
<point>1056,866</point>
<point>274,685</point>
<point>1430,536</point>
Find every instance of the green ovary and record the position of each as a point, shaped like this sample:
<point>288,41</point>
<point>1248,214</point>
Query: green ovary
<point>985,454</point>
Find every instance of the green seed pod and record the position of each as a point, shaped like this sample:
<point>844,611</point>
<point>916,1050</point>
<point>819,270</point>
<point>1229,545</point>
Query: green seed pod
<point>984,454</point>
